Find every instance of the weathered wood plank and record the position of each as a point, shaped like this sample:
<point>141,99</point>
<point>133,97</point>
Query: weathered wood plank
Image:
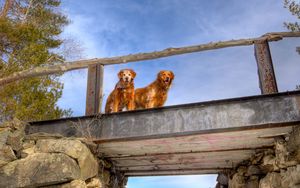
<point>248,139</point>
<point>94,92</point>
<point>209,158</point>
<point>181,166</point>
<point>100,75</point>
<point>174,172</point>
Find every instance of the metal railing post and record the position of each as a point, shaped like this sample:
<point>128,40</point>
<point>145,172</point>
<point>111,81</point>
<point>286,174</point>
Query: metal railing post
<point>267,79</point>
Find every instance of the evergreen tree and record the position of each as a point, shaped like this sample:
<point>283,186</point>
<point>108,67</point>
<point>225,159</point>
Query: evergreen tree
<point>29,37</point>
<point>294,8</point>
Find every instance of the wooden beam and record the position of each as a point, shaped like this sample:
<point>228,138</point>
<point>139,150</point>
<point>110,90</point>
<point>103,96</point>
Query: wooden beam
<point>100,79</point>
<point>67,66</point>
<point>175,172</point>
<point>94,89</point>
<point>267,79</point>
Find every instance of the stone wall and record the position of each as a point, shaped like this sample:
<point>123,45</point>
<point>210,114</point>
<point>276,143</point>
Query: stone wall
<point>277,167</point>
<point>42,160</point>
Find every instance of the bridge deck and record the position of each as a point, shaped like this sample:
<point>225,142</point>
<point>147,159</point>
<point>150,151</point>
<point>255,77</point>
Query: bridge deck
<point>199,138</point>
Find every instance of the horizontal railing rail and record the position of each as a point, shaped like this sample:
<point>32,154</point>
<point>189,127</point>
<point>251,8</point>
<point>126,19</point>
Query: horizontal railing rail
<point>73,65</point>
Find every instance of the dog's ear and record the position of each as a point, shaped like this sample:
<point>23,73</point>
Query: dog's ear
<point>159,74</point>
<point>172,75</point>
<point>133,73</point>
<point>120,74</point>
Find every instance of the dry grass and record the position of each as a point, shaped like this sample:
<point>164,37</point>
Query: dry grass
<point>88,128</point>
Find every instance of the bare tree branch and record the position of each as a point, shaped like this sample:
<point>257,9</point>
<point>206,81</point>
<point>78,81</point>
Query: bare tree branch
<point>67,66</point>
<point>7,6</point>
<point>27,11</point>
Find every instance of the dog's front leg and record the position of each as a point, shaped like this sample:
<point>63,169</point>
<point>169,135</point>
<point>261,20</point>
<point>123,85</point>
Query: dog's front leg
<point>131,104</point>
<point>149,104</point>
<point>115,106</point>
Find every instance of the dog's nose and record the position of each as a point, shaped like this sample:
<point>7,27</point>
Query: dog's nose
<point>126,79</point>
<point>167,79</point>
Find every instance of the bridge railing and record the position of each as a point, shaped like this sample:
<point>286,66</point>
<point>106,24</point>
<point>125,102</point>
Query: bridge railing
<point>267,79</point>
<point>94,94</point>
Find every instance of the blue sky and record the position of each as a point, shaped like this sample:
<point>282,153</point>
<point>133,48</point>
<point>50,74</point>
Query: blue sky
<point>106,28</point>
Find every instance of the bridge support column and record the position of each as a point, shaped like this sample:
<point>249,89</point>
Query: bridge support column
<point>278,166</point>
<point>108,177</point>
<point>267,80</point>
<point>117,180</point>
<point>94,94</point>
<point>222,180</point>
<point>53,161</point>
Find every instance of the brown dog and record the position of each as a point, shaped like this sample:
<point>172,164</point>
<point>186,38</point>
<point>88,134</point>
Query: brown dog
<point>155,94</point>
<point>123,94</point>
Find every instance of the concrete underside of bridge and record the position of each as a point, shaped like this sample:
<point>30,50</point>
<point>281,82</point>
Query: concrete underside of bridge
<point>198,138</point>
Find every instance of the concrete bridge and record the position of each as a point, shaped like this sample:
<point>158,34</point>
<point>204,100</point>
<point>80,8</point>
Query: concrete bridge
<point>199,138</point>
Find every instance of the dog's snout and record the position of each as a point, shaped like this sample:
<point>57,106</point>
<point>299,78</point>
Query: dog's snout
<point>127,79</point>
<point>167,79</point>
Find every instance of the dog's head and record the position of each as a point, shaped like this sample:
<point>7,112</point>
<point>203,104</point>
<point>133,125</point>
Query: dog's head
<point>126,75</point>
<point>166,78</point>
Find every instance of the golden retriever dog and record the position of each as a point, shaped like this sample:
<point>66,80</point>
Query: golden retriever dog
<point>155,94</point>
<point>123,94</point>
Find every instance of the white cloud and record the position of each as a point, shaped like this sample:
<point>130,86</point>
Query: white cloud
<point>81,28</point>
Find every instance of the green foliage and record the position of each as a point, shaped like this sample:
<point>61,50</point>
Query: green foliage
<point>294,8</point>
<point>29,35</point>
